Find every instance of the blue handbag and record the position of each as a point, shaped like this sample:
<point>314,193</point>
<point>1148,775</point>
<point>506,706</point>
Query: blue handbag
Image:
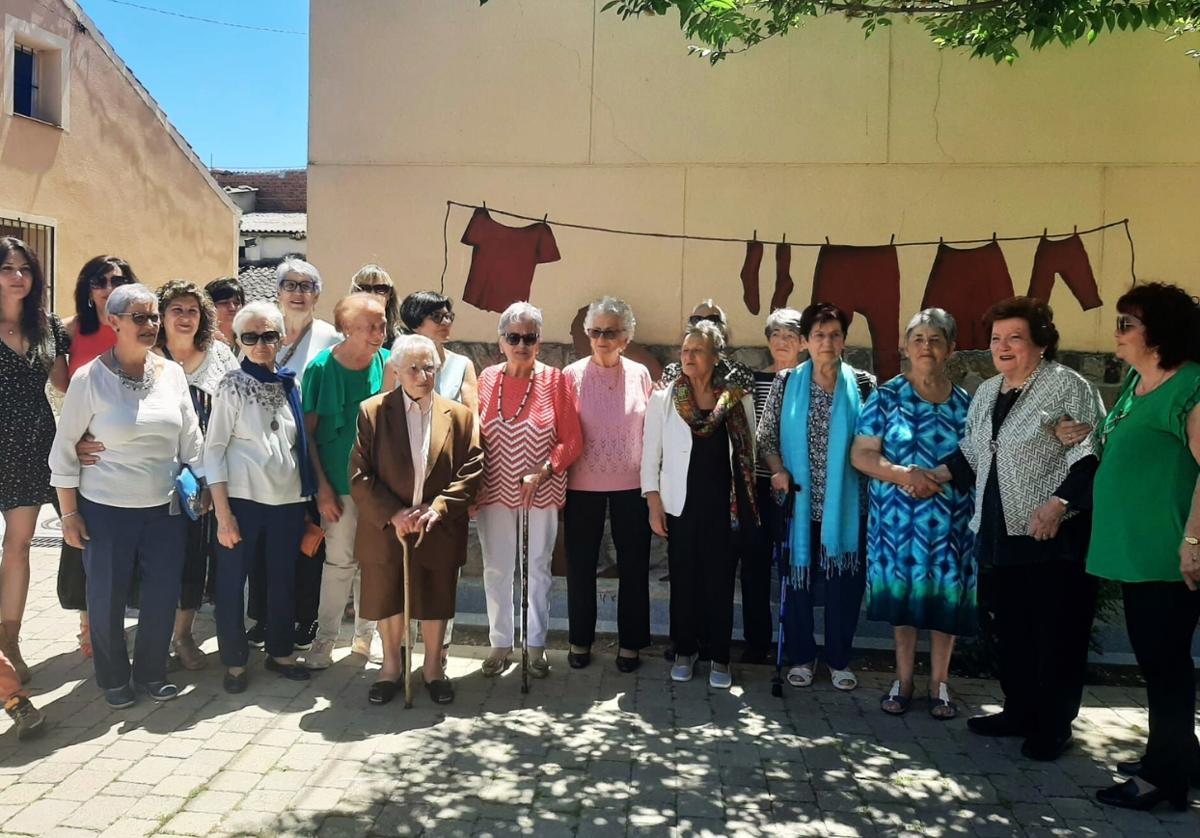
<point>187,492</point>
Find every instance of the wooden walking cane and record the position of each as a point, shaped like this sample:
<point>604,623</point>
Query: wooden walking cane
<point>408,633</point>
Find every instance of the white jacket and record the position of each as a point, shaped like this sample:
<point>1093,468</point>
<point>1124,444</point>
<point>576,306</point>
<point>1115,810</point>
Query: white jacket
<point>667,449</point>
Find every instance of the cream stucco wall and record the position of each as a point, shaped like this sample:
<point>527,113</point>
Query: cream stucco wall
<point>115,181</point>
<point>547,106</point>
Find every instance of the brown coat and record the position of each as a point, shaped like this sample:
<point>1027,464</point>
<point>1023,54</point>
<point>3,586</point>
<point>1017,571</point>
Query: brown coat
<point>381,483</point>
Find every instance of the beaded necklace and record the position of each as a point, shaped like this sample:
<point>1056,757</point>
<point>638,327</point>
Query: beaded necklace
<point>146,382</point>
<point>524,399</point>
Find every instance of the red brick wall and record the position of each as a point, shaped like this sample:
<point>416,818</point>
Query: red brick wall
<point>285,190</point>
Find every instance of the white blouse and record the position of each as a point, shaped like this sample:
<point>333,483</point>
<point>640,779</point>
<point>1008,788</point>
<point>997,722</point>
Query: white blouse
<point>251,442</point>
<point>146,435</point>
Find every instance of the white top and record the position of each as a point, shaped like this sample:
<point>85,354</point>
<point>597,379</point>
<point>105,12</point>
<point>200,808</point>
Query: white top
<point>419,415</point>
<point>251,442</point>
<point>321,336</point>
<point>146,434</point>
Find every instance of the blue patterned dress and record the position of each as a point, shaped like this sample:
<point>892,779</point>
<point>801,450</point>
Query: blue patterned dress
<point>921,568</point>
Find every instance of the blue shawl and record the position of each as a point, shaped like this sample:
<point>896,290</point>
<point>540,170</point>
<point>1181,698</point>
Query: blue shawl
<point>287,379</point>
<point>840,513</point>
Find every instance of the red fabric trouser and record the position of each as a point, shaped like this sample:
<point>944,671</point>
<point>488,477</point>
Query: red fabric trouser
<point>966,283</point>
<point>865,280</point>
<point>1068,259</point>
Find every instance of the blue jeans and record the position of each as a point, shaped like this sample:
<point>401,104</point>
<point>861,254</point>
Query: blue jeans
<point>843,600</point>
<point>151,544</point>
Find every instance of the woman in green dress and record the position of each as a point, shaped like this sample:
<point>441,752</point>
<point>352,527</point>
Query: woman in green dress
<point>1146,529</point>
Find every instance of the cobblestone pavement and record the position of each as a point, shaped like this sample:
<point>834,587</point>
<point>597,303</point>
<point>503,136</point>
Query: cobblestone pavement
<point>587,753</point>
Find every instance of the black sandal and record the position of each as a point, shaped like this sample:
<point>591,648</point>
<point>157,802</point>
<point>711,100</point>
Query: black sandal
<point>381,692</point>
<point>896,697</point>
<point>441,690</point>
<point>942,703</point>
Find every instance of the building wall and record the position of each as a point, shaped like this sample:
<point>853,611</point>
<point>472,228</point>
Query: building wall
<point>279,190</point>
<point>115,181</point>
<point>273,247</point>
<point>541,106</point>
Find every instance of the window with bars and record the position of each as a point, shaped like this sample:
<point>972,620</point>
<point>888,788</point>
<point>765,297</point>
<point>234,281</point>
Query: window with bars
<point>40,238</point>
<point>25,82</point>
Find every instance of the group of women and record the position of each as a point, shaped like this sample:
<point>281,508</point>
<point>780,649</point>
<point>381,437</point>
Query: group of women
<point>326,452</point>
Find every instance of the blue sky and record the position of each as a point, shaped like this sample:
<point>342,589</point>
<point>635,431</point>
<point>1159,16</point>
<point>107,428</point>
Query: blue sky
<point>239,96</point>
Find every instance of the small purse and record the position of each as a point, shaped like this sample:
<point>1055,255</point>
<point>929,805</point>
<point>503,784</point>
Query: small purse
<point>314,536</point>
<point>188,490</point>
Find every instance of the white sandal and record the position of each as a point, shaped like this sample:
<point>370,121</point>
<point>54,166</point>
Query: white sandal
<point>801,676</point>
<point>843,679</point>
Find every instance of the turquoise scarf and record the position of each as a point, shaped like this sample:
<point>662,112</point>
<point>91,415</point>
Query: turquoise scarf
<point>840,516</point>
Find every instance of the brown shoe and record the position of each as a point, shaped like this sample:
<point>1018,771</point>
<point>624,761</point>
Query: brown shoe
<point>9,639</point>
<point>189,654</point>
<point>28,719</point>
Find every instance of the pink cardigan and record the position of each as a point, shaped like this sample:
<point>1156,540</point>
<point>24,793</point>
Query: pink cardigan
<point>612,409</point>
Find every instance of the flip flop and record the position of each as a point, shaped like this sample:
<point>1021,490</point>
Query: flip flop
<point>896,697</point>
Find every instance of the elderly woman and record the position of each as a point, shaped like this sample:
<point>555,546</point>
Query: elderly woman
<point>786,345</point>
<point>416,466</point>
<point>372,279</point>
<point>228,297</point>
<point>335,384</point>
<point>610,393</point>
<point>256,456</point>
<point>921,572</point>
<point>1146,529</point>
<point>1032,522</point>
<point>123,511</point>
<point>734,372</point>
<point>698,479</point>
<point>431,314</point>
<point>531,436</point>
<point>33,347</point>
<point>805,433</point>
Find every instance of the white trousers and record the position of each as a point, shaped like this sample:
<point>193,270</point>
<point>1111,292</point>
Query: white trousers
<point>339,575</point>
<point>498,534</point>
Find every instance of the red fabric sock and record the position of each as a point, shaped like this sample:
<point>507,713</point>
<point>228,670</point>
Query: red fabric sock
<point>783,278</point>
<point>754,254</point>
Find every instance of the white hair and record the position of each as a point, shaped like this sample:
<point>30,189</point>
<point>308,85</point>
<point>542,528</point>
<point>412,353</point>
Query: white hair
<point>783,318</point>
<point>256,309</point>
<point>124,296</point>
<point>406,345</point>
<point>520,312</point>
<point>936,318</point>
<point>617,308</point>
<point>294,265</point>
<point>709,331</point>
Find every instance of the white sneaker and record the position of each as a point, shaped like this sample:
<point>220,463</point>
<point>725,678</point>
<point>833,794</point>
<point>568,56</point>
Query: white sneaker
<point>682,670</point>
<point>719,677</point>
<point>320,656</point>
<point>369,646</point>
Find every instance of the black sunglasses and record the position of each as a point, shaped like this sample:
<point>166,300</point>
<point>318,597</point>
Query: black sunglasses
<point>700,318</point>
<point>252,338</point>
<point>512,339</point>
<point>381,290</point>
<point>444,317</point>
<point>605,334</point>
<point>99,283</point>
<point>141,318</point>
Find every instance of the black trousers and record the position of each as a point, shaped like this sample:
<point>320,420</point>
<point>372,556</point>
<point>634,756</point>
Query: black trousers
<point>700,557</point>
<point>199,563</point>
<point>308,582</point>
<point>583,521</point>
<point>1161,619</point>
<point>1043,617</point>
<point>756,545</point>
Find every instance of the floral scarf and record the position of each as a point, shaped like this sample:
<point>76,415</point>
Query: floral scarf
<point>729,407</point>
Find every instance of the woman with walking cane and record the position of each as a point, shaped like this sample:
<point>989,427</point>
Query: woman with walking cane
<point>414,471</point>
<point>531,436</point>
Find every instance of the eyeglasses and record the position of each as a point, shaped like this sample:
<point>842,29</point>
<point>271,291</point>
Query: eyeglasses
<point>141,318</point>
<point>252,338</point>
<point>381,290</point>
<point>1127,323</point>
<point>427,369</point>
<point>99,283</point>
<point>443,317</point>
<point>711,318</point>
<point>513,338</point>
<point>302,287</point>
<point>605,334</point>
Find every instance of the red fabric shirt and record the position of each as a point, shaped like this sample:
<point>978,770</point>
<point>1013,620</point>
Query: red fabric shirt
<point>504,259</point>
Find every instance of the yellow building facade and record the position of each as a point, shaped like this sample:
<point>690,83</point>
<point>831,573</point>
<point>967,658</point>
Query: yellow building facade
<point>550,107</point>
<point>92,165</point>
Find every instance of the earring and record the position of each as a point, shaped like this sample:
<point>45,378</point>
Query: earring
<point>91,303</point>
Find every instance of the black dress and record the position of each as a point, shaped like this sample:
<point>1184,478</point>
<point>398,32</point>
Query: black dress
<point>26,420</point>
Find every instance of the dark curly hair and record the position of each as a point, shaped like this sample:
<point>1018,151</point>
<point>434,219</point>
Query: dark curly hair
<point>1172,319</point>
<point>1033,311</point>
<point>818,313</point>
<point>419,305</point>
<point>34,321</point>
<point>87,319</point>
<point>172,291</point>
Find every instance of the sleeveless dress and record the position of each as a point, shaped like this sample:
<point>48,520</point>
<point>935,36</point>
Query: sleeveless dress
<point>450,376</point>
<point>26,419</point>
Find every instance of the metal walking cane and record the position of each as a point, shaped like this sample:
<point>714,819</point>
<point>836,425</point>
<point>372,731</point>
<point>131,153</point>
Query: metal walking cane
<point>783,562</point>
<point>408,621</point>
<point>523,514</point>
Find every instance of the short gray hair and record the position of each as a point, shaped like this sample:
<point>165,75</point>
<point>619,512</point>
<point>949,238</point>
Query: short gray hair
<point>783,318</point>
<point>520,312</point>
<point>294,265</point>
<point>256,309</point>
<point>617,308</point>
<point>709,331</point>
<point>937,318</point>
<point>124,296</point>
<point>408,344</point>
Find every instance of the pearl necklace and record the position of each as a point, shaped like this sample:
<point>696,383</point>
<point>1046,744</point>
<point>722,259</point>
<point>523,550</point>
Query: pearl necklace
<point>524,399</point>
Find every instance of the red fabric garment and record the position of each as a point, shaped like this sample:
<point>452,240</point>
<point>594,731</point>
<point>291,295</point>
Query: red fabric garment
<point>749,275</point>
<point>966,282</point>
<point>783,276</point>
<point>85,348</point>
<point>503,260</point>
<point>1067,258</point>
<point>865,280</point>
